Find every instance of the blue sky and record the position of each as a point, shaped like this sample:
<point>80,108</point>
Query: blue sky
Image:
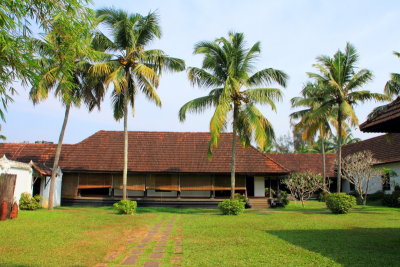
<point>292,34</point>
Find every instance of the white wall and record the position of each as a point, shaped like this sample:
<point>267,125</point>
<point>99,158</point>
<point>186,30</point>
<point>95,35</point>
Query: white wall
<point>376,184</point>
<point>259,186</point>
<point>44,191</point>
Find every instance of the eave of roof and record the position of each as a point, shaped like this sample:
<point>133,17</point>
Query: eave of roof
<point>388,120</point>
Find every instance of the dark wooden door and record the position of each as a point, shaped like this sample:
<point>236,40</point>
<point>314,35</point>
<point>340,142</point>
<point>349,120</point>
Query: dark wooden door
<point>250,186</point>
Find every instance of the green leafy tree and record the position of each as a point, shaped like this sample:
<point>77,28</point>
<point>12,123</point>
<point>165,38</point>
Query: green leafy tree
<point>64,58</point>
<point>228,68</point>
<point>131,68</point>
<point>17,53</point>
<point>340,89</point>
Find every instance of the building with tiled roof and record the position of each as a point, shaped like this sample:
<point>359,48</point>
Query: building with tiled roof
<point>386,150</point>
<point>162,165</point>
<point>174,165</point>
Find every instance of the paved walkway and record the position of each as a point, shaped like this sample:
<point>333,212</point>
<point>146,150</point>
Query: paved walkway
<point>156,247</point>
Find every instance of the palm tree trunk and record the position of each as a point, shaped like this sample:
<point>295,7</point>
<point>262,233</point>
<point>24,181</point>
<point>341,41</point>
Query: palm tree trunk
<point>233,163</point>
<point>339,151</point>
<point>125,171</point>
<point>57,158</point>
<point>324,163</point>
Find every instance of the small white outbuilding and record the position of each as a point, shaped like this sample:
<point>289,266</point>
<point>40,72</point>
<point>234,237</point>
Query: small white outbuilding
<point>31,180</point>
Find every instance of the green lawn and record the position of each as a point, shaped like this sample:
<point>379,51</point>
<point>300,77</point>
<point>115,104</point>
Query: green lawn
<point>293,236</point>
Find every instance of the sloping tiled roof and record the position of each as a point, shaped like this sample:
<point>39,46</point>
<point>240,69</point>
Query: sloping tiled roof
<point>385,148</point>
<point>386,121</point>
<point>312,162</point>
<point>148,152</point>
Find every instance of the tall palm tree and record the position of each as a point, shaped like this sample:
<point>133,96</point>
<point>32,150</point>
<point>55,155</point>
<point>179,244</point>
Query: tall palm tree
<point>313,121</point>
<point>64,57</point>
<point>228,67</point>
<point>341,83</point>
<point>131,68</point>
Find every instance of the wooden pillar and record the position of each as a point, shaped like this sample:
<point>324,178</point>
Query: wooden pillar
<point>277,185</point>
<point>76,190</point>
<point>212,186</point>
<point>179,187</point>
<point>145,189</point>
<point>245,186</point>
<point>270,187</point>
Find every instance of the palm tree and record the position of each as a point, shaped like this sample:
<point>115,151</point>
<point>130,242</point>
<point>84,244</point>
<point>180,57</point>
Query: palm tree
<point>341,82</point>
<point>131,68</point>
<point>228,68</point>
<point>64,57</point>
<point>312,120</point>
<point>392,87</point>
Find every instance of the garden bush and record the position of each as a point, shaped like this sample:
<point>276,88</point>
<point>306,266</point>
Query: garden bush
<point>126,206</point>
<point>231,206</point>
<point>284,197</point>
<point>392,200</point>
<point>340,203</point>
<point>378,195</point>
<point>243,198</point>
<point>322,196</point>
<point>27,202</point>
<point>268,191</point>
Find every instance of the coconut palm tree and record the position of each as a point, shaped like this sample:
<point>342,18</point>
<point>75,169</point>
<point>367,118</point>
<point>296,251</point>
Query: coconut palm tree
<point>392,87</point>
<point>228,68</point>
<point>131,68</point>
<point>341,82</point>
<point>313,121</point>
<point>64,57</point>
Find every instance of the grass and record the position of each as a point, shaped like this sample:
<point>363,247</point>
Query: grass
<point>293,236</point>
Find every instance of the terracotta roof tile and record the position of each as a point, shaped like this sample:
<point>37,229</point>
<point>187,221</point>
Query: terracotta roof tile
<point>385,148</point>
<point>312,162</point>
<point>148,152</point>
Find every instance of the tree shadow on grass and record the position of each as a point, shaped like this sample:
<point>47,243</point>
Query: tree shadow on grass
<point>349,247</point>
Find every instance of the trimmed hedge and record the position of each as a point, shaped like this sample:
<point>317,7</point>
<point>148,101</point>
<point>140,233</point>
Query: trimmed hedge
<point>231,206</point>
<point>340,203</point>
<point>126,206</point>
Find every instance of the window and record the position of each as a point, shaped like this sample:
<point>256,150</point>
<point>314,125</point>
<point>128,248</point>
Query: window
<point>386,182</point>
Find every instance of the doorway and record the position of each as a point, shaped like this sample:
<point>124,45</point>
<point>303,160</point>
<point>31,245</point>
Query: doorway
<point>250,186</point>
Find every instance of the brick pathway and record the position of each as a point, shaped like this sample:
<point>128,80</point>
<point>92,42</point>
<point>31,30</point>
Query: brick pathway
<point>157,247</point>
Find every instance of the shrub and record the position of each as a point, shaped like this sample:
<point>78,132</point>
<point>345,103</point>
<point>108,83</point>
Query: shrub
<point>322,196</point>
<point>126,206</point>
<point>378,195</point>
<point>284,197</point>
<point>340,203</point>
<point>231,206</point>
<point>359,199</point>
<point>243,198</point>
<point>268,191</point>
<point>392,200</point>
<point>27,202</point>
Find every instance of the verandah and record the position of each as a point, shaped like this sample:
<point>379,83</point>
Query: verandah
<point>141,184</point>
